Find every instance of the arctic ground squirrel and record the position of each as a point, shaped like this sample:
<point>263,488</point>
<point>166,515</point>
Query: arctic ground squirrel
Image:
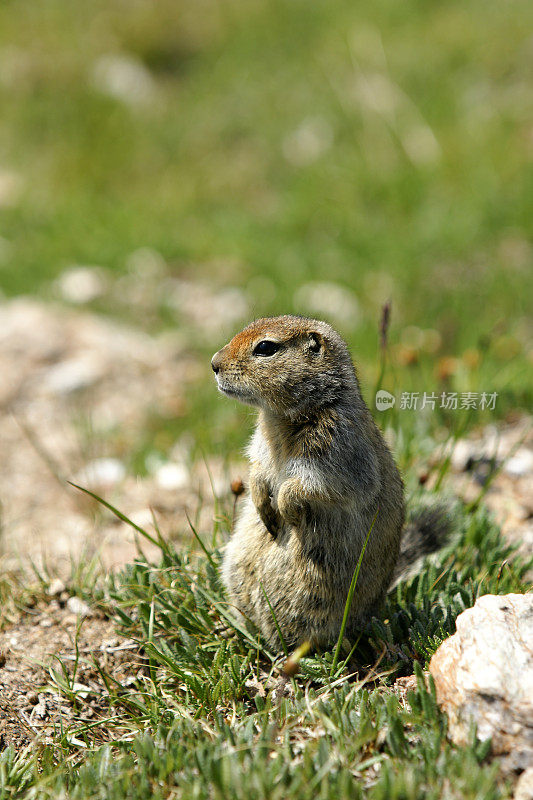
<point>320,472</point>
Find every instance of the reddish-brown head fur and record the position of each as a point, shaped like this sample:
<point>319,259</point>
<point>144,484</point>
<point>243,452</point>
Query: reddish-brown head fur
<point>286,364</point>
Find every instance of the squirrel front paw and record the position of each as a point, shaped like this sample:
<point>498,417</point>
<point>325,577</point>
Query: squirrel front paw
<point>291,504</point>
<point>270,519</point>
<point>262,499</point>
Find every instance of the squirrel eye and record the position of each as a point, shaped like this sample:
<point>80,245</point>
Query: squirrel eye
<point>315,342</point>
<point>266,348</point>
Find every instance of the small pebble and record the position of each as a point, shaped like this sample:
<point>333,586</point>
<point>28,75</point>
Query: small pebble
<point>464,452</point>
<point>172,476</point>
<point>56,587</point>
<point>41,710</point>
<point>80,284</point>
<point>524,787</point>
<point>519,464</point>
<point>101,472</point>
<point>78,606</point>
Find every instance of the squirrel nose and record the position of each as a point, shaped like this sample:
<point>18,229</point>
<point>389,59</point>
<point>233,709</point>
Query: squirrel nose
<point>215,363</point>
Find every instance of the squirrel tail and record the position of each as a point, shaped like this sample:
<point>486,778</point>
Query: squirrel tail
<point>427,530</point>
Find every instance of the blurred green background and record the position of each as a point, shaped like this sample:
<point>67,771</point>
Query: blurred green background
<point>227,159</point>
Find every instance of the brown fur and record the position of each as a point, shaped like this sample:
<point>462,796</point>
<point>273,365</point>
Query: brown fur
<point>320,470</point>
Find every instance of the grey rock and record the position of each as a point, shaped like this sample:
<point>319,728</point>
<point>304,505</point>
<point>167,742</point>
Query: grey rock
<point>524,787</point>
<point>484,673</point>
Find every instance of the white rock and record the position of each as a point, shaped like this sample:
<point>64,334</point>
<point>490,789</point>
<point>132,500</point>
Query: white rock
<point>78,606</point>
<point>462,451</point>
<point>484,672</point>
<point>40,710</point>
<point>81,284</point>
<point>520,464</point>
<point>524,787</point>
<point>101,472</point>
<point>82,690</point>
<point>172,476</point>
<point>56,587</point>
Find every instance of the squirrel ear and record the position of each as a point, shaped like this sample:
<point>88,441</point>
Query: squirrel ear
<point>315,342</point>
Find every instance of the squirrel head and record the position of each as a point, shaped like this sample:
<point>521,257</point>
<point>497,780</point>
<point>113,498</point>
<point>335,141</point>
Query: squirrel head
<point>288,365</point>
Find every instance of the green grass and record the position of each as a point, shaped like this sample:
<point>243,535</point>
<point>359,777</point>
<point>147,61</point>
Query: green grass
<point>206,715</point>
<point>384,148</point>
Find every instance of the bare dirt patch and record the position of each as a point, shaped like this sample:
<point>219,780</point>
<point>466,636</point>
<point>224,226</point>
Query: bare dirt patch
<point>51,637</point>
<point>498,462</point>
<point>76,391</point>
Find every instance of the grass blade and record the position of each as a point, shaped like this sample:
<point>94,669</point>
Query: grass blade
<point>161,544</point>
<point>282,640</point>
<point>200,542</point>
<point>349,599</point>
